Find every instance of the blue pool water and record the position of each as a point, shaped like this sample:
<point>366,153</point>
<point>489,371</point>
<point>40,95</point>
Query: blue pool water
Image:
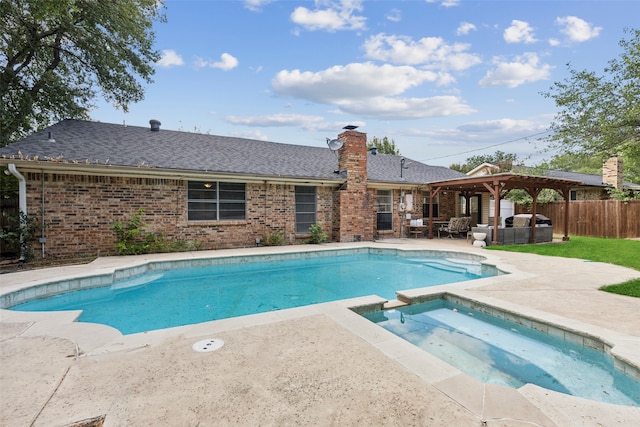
<point>162,299</point>
<point>500,352</point>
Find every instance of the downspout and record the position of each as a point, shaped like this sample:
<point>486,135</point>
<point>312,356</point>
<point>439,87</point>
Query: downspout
<point>43,239</point>
<point>22,203</point>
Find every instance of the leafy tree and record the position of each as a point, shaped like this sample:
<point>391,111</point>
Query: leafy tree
<point>600,114</point>
<point>55,56</point>
<point>383,145</point>
<point>521,197</point>
<point>579,162</point>
<point>501,159</point>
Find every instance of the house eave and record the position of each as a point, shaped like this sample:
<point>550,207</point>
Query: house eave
<point>95,169</point>
<point>388,185</point>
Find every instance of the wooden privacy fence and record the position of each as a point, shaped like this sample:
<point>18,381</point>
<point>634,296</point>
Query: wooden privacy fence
<point>596,218</point>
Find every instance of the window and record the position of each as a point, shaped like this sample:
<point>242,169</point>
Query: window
<point>305,208</point>
<point>384,215</point>
<point>435,206</point>
<point>573,195</point>
<point>216,201</point>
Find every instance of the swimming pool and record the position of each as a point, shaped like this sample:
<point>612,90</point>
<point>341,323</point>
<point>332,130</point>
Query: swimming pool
<point>499,351</point>
<point>166,294</point>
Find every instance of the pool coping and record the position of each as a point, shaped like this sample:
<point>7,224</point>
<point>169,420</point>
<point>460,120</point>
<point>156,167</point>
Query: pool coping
<point>19,293</point>
<point>102,340</point>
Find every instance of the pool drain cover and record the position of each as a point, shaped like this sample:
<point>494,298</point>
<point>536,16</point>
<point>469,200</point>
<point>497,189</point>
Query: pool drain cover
<point>208,345</point>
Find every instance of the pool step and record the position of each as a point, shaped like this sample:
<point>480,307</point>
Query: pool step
<point>454,265</point>
<point>136,281</point>
<point>394,303</point>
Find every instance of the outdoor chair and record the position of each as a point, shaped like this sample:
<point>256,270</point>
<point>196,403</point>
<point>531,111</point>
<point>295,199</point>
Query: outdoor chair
<point>451,228</point>
<point>465,225</point>
<point>445,228</point>
<point>457,226</point>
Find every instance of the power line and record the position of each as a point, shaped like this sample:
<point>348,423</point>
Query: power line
<point>488,146</point>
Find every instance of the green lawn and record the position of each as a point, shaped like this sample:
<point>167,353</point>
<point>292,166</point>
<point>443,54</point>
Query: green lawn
<point>613,251</point>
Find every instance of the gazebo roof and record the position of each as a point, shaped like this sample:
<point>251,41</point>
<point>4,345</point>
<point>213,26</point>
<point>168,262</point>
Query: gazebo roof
<point>496,184</point>
<point>506,181</point>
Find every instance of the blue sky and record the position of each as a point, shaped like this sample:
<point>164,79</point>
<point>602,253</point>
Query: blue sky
<point>444,79</point>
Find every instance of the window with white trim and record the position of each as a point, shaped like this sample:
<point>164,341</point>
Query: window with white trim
<point>216,201</point>
<point>384,210</point>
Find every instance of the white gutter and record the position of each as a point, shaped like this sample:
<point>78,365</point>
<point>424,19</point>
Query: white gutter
<point>143,172</point>
<point>22,200</point>
<point>22,187</point>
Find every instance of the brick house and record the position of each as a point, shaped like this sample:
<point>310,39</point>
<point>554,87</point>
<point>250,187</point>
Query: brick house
<point>79,177</point>
<point>588,186</point>
<point>594,187</point>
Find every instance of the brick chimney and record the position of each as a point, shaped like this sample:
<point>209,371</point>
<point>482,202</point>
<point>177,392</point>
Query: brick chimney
<point>612,172</point>
<point>355,207</point>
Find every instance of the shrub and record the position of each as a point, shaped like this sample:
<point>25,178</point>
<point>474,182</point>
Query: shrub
<point>18,234</point>
<point>317,235</point>
<point>273,239</point>
<point>129,235</point>
<point>132,239</point>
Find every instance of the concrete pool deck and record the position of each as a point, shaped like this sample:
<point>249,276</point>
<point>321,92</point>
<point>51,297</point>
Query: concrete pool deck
<point>315,365</point>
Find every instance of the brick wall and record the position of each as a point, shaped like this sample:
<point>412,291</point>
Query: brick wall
<point>449,205</point>
<point>355,202</point>
<point>612,172</point>
<point>80,209</point>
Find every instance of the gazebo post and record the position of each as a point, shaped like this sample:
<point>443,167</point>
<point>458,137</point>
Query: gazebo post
<point>493,184</point>
<point>533,192</point>
<point>495,192</point>
<point>467,199</point>
<point>566,192</point>
<point>432,193</point>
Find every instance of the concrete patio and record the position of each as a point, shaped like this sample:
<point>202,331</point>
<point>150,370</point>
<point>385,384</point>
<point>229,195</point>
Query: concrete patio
<point>315,365</point>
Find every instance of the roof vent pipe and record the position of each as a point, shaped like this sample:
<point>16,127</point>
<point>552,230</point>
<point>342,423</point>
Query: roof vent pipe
<point>155,125</point>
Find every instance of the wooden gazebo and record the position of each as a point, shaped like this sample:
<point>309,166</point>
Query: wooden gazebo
<point>499,184</point>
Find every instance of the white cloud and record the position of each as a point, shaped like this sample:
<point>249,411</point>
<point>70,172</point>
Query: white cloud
<point>407,108</point>
<point>445,3</point>
<point>335,16</point>
<point>255,5</point>
<point>352,81</point>
<point>433,52</point>
<point>369,90</point>
<point>274,120</point>
<point>302,121</point>
<point>227,62</point>
<point>503,125</point>
<point>450,3</point>
<point>554,42</point>
<point>465,28</point>
<point>170,59</point>
<point>525,69</point>
<point>519,32</point>
<point>576,29</point>
<point>394,15</point>
<point>251,134</point>
<point>486,132</point>
<point>200,63</point>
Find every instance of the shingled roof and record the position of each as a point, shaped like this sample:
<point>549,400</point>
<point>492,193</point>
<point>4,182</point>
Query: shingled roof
<point>585,179</point>
<point>134,146</point>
